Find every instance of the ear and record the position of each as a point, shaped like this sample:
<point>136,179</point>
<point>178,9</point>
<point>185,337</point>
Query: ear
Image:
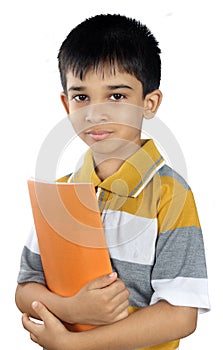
<point>65,102</point>
<point>151,103</point>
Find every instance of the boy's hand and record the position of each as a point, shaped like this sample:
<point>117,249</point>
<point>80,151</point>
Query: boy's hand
<point>102,301</point>
<point>51,334</point>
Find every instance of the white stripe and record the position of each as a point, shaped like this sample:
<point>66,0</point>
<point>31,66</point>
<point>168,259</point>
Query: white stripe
<point>98,193</point>
<point>129,237</point>
<point>182,291</point>
<point>149,178</point>
<point>32,242</point>
<point>71,178</point>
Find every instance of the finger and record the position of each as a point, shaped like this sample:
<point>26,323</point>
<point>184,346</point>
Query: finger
<point>121,315</point>
<point>33,338</point>
<point>121,311</point>
<point>29,325</point>
<point>118,287</point>
<point>102,281</point>
<point>120,295</point>
<point>119,303</point>
<point>43,313</point>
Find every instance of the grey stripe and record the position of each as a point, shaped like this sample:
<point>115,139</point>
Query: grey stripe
<point>167,171</point>
<point>100,199</point>
<point>137,279</point>
<point>31,269</point>
<point>180,253</point>
<point>146,176</point>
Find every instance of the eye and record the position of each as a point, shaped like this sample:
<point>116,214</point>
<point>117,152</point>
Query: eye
<point>117,97</point>
<point>80,98</point>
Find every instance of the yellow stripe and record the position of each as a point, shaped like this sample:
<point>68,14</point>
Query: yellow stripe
<point>177,208</point>
<point>63,179</point>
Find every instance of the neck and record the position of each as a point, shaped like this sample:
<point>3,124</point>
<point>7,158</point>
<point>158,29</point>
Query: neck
<point>106,165</point>
<point>108,168</point>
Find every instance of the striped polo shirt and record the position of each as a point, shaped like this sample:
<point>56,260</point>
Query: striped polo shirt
<point>152,231</point>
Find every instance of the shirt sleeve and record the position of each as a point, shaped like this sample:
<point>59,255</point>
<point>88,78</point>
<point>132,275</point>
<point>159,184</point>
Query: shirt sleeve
<point>179,274</point>
<point>31,269</point>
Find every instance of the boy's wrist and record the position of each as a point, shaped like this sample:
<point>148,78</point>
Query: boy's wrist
<point>61,307</point>
<point>69,310</point>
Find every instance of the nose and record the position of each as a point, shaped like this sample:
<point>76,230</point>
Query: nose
<point>96,114</point>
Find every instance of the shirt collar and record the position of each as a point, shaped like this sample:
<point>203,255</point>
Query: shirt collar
<point>131,178</point>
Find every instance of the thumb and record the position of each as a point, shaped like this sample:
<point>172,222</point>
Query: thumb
<point>41,311</point>
<point>102,282</point>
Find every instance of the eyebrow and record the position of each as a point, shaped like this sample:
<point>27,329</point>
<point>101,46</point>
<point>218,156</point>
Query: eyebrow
<point>108,87</point>
<point>121,86</point>
<point>77,88</point>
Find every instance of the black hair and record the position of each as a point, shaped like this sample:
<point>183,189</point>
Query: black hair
<point>115,40</point>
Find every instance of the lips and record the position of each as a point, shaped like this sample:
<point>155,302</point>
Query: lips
<point>99,135</point>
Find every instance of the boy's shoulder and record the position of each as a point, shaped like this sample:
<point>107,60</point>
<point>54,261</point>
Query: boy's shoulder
<point>169,173</point>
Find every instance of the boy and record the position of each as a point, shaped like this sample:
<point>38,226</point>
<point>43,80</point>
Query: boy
<point>110,72</point>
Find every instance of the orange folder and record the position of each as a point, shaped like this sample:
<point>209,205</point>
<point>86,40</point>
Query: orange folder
<point>71,237</point>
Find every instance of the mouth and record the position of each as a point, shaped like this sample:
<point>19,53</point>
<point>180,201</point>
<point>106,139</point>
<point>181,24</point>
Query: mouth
<point>99,135</point>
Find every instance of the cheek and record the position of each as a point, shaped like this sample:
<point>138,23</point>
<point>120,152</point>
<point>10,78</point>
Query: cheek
<point>77,119</point>
<point>131,116</point>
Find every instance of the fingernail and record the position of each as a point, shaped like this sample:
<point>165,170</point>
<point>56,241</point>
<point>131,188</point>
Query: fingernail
<point>34,304</point>
<point>111,274</point>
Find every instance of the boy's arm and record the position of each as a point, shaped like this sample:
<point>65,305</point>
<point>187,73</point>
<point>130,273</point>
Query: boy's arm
<point>26,293</point>
<point>153,325</point>
<point>94,304</point>
<point>102,301</point>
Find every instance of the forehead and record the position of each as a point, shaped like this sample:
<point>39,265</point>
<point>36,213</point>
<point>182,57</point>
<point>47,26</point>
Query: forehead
<point>103,76</point>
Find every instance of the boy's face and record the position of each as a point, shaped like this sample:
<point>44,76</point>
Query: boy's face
<point>106,109</point>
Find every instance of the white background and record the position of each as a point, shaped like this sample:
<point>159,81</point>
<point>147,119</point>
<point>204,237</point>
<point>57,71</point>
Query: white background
<point>190,36</point>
